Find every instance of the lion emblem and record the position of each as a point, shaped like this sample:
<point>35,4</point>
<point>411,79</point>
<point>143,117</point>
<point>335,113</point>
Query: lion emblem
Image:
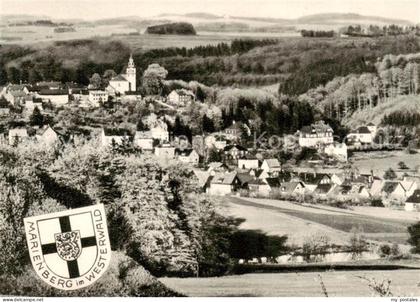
<point>68,245</point>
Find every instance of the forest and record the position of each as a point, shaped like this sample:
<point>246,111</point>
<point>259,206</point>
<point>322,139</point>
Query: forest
<point>297,64</point>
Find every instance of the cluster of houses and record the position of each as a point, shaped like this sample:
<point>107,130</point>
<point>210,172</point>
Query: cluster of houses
<point>44,136</point>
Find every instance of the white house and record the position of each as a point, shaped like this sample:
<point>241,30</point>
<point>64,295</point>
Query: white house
<point>160,133</point>
<point>165,151</point>
<point>111,136</point>
<point>316,134</point>
<point>248,162</point>
<point>97,96</point>
<point>223,184</point>
<point>143,140</point>
<point>47,136</point>
<point>271,166</point>
<point>189,156</point>
<point>337,150</point>
<point>124,82</point>
<point>57,97</point>
<point>412,204</point>
<point>180,97</point>
<point>361,135</point>
<point>17,135</point>
<point>293,187</point>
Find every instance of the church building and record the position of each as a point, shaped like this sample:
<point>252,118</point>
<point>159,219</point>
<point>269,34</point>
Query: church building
<point>126,82</point>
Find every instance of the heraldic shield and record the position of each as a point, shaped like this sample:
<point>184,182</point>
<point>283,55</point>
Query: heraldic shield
<point>69,249</point>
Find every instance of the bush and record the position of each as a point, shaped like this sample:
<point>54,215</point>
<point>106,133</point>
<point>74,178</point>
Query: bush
<point>414,240</point>
<point>384,250</point>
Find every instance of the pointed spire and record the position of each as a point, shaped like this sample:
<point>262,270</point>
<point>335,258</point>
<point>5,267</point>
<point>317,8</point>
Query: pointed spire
<point>131,61</point>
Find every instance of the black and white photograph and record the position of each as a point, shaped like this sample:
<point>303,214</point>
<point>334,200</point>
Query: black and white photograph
<point>207,149</point>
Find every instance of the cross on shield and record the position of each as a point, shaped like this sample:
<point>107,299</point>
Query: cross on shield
<point>69,249</point>
<point>59,246</point>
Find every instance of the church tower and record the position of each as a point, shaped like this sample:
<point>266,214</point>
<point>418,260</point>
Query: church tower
<point>130,74</point>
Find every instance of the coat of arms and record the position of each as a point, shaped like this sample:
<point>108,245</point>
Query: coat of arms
<point>69,249</point>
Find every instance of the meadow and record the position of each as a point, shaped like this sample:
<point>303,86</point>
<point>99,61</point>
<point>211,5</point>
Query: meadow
<point>337,283</point>
<point>301,221</point>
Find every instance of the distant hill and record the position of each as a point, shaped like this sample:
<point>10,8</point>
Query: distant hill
<point>178,28</point>
<point>202,16</point>
<point>329,18</point>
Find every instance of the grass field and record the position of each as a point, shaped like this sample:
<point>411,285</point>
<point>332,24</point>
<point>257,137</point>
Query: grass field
<point>380,161</point>
<point>298,221</point>
<point>337,283</point>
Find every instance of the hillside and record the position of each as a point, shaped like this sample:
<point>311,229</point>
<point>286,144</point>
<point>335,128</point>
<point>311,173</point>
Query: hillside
<point>375,115</point>
<point>341,19</point>
<point>179,28</point>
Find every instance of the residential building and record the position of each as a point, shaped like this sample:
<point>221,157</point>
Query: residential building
<point>223,184</point>
<point>114,136</point>
<point>293,187</point>
<point>271,166</point>
<point>160,133</point>
<point>17,135</point>
<point>412,203</point>
<point>360,135</point>
<point>165,151</point>
<point>236,130</point>
<point>123,83</point>
<point>217,167</point>
<point>47,136</point>
<point>323,190</point>
<point>315,135</point>
<point>203,179</point>
<point>234,151</point>
<point>180,97</point>
<point>393,190</point>
<point>313,180</point>
<point>259,187</point>
<point>96,97</point>
<point>143,140</point>
<point>248,162</point>
<point>57,97</point>
<point>337,151</point>
<point>189,156</point>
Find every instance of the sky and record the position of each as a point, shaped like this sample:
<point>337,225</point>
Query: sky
<point>99,9</point>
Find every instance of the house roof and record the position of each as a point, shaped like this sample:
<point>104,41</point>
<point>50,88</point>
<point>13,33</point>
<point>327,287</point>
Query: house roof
<point>244,178</point>
<point>42,130</point>
<point>239,147</point>
<point>116,132</point>
<point>273,182</point>
<point>183,152</point>
<point>53,92</point>
<point>215,165</point>
<point>203,177</point>
<point>119,78</point>
<point>248,157</point>
<point>390,186</point>
<point>362,130</point>
<point>289,187</point>
<point>257,181</point>
<point>323,188</point>
<point>18,93</point>
<point>21,132</point>
<point>143,134</point>
<point>319,127</point>
<point>312,178</point>
<point>224,178</point>
<point>16,87</point>
<point>49,84</point>
<point>371,124</point>
<point>414,198</point>
<point>272,162</point>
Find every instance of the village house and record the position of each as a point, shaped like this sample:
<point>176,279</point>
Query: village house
<point>180,97</point>
<point>393,190</point>
<point>96,97</point>
<point>57,97</point>
<point>203,179</point>
<point>323,190</point>
<point>236,130</point>
<point>47,136</point>
<point>292,187</point>
<point>32,103</point>
<point>189,156</point>
<point>160,133</point>
<point>248,162</point>
<point>234,151</point>
<point>313,180</point>
<point>337,151</point>
<point>143,140</point>
<point>53,85</point>
<point>223,184</point>
<point>271,166</point>
<point>412,203</point>
<point>360,135</point>
<point>217,167</point>
<point>114,136</point>
<point>259,187</point>
<point>123,83</point>
<point>15,94</point>
<point>17,135</point>
<point>315,135</point>
<point>409,187</point>
<point>165,151</point>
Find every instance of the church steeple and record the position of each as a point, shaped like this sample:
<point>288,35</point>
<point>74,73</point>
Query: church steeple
<point>131,62</point>
<point>131,73</point>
